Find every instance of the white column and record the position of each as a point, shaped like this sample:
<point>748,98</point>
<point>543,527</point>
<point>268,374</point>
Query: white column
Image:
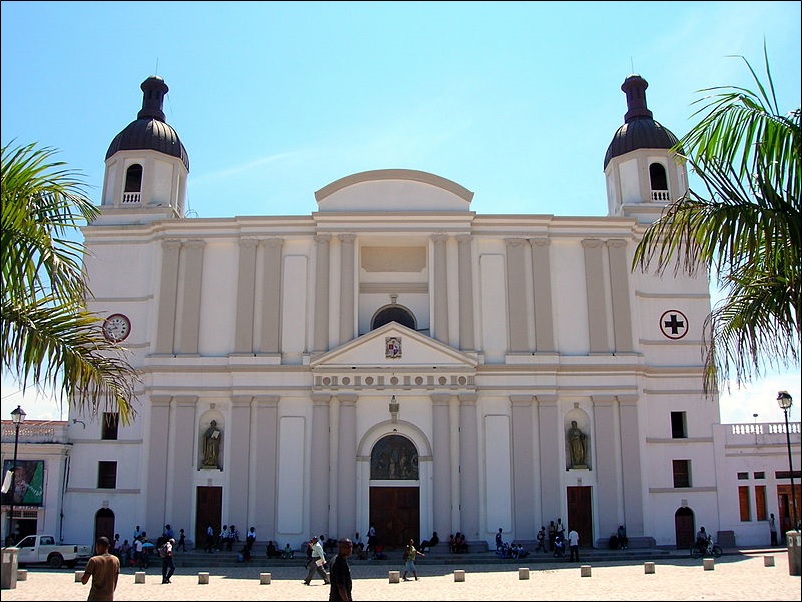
<point>619,287</point>
<point>321,334</point>
<point>594,284</point>
<point>189,334</point>
<point>441,464</point>
<point>467,340</point>
<point>246,280</point>
<point>168,294</point>
<point>544,313</point>
<point>271,296</point>
<point>347,306</point>
<point>439,326</point>
<point>469,466</point>
<point>319,464</point>
<point>346,473</point>
<point>516,296</point>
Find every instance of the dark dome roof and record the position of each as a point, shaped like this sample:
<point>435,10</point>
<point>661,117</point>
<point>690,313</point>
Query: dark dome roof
<point>150,131</point>
<point>639,129</point>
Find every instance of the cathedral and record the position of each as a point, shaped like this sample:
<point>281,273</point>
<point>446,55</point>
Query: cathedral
<point>395,359</point>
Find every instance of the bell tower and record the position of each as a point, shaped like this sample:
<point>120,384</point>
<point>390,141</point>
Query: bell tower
<point>146,166</point>
<point>643,174</point>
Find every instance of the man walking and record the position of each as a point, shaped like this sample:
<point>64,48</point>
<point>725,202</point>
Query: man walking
<point>573,544</point>
<point>317,561</point>
<point>104,569</point>
<point>168,566</point>
<point>341,573</point>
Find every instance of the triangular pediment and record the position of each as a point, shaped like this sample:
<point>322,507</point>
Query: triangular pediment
<point>377,349</point>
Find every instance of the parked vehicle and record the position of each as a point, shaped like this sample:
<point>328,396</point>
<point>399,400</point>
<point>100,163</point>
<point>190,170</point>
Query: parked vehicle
<point>706,548</point>
<point>43,549</point>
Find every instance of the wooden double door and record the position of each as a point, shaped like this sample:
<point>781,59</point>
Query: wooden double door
<point>395,513</point>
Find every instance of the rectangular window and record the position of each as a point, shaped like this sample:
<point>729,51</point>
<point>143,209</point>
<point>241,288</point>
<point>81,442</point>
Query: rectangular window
<point>111,421</point>
<point>682,473</point>
<point>679,426</point>
<point>760,503</point>
<point>743,476</point>
<point>107,475</point>
<point>759,475</point>
<point>743,502</point>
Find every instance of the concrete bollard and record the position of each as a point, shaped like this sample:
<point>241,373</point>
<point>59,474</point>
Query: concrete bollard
<point>22,575</point>
<point>139,577</point>
<point>710,564</point>
<point>203,578</point>
<point>648,568</point>
<point>459,575</point>
<point>767,561</point>
<point>523,573</point>
<point>78,575</point>
<point>394,576</point>
<point>585,570</point>
<point>264,578</point>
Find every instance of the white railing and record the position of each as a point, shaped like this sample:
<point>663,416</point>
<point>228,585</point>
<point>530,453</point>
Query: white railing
<point>765,428</point>
<point>131,197</point>
<point>659,196</point>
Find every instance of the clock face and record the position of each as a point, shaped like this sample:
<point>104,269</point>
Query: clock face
<point>116,328</point>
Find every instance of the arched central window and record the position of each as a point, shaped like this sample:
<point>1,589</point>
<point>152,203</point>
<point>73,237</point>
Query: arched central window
<point>394,313</point>
<point>394,457</point>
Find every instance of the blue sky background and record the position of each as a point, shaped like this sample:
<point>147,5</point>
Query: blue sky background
<point>516,101</point>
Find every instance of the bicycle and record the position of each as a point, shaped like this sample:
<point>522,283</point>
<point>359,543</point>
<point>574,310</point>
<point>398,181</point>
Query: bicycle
<point>708,549</point>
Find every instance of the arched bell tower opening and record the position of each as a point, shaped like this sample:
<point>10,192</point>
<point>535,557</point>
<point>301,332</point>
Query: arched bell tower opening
<point>393,313</point>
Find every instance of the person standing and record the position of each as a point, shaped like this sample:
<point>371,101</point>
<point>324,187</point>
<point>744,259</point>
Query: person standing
<point>104,570</point>
<point>168,566</point>
<point>541,540</point>
<point>317,561</point>
<point>209,538</point>
<point>371,540</point>
<point>552,535</point>
<point>340,577</point>
<point>182,542</point>
<point>773,529</point>
<point>409,560</point>
<point>573,544</point>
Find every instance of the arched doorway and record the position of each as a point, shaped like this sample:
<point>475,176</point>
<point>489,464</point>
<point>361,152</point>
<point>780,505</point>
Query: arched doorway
<point>395,502</point>
<point>104,524</point>
<point>684,528</point>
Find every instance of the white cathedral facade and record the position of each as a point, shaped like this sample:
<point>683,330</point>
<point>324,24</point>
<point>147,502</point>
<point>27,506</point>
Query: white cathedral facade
<point>395,359</point>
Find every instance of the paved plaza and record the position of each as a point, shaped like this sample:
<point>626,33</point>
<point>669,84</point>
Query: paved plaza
<point>734,577</point>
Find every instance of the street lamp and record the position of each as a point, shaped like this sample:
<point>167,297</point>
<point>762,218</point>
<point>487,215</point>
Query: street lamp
<point>785,401</point>
<point>17,417</point>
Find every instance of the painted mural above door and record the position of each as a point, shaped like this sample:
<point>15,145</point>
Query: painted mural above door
<point>394,458</point>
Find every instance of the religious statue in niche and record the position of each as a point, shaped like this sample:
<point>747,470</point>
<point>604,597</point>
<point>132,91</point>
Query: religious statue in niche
<point>394,458</point>
<point>577,446</point>
<point>210,453</point>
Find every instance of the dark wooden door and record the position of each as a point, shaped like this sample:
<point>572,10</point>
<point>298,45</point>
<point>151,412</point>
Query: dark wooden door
<point>208,511</point>
<point>395,512</point>
<point>104,525</point>
<point>684,528</point>
<point>580,513</point>
<point>785,507</point>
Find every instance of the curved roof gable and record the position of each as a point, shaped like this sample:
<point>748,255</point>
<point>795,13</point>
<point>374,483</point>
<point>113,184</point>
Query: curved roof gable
<point>393,190</point>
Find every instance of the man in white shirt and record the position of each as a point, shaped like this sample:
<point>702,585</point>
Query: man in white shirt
<point>573,544</point>
<point>316,565</point>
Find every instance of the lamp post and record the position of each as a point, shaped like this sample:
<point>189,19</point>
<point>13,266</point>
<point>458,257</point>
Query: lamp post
<point>785,401</point>
<point>17,417</point>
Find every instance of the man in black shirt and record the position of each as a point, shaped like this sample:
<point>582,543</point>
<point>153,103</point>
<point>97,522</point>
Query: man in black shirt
<point>340,573</point>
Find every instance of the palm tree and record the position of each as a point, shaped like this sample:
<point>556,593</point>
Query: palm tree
<point>49,338</point>
<point>745,228</point>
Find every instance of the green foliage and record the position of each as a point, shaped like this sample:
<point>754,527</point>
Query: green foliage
<point>49,338</point>
<point>744,228</point>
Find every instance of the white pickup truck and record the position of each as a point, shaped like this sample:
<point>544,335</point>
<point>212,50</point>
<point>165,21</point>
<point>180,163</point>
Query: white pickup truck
<point>40,549</point>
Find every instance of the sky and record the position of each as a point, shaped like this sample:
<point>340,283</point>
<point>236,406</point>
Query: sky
<point>515,101</point>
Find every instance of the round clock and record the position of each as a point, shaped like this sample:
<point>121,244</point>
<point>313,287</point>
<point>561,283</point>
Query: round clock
<point>116,328</point>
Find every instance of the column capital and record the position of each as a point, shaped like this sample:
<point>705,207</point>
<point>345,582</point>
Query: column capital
<point>617,243</point>
<point>515,242</point>
<point>241,400</point>
<point>270,401</point>
<point>195,243</point>
<point>347,398</point>
<point>273,242</point>
<point>171,243</point>
<point>522,400</point>
<point>185,400</point>
<point>466,399</point>
<point>541,241</point>
<point>322,239</point>
<point>160,400</point>
<point>592,243</point>
<point>440,399</point>
<point>464,239</point>
<point>439,238</point>
<point>249,241</point>
<point>321,399</point>
<point>347,237</point>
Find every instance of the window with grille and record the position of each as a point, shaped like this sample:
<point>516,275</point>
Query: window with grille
<point>682,473</point>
